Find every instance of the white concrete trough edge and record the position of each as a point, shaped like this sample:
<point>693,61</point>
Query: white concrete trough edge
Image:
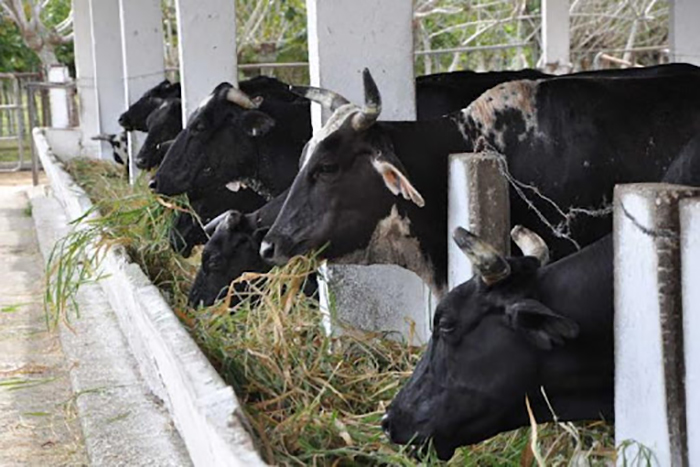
<point>204,408</point>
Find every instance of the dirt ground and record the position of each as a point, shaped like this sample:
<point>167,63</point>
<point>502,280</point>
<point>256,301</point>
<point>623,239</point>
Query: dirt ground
<point>38,421</point>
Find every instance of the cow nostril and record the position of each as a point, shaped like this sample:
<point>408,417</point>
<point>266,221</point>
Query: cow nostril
<point>152,184</point>
<point>267,250</point>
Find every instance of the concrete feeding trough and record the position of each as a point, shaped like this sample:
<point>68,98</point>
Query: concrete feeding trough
<point>203,407</point>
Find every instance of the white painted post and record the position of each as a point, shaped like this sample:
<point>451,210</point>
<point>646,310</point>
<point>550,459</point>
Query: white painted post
<point>207,43</point>
<point>58,98</point>
<point>683,31</point>
<point>690,267</point>
<point>478,201</point>
<point>109,68</point>
<point>555,37</point>
<point>85,77</point>
<point>346,36</point>
<point>649,362</point>
<point>143,56</point>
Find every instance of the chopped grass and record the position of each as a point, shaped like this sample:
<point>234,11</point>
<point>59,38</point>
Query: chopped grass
<point>311,399</point>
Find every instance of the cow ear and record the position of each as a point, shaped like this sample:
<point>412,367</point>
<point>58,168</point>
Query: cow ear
<point>539,324</point>
<point>256,123</point>
<point>397,182</point>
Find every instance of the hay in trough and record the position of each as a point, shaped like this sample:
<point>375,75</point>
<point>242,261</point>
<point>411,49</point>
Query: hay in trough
<point>311,399</point>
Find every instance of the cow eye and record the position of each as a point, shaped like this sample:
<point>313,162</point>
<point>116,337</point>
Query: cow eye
<point>328,169</point>
<point>199,126</point>
<point>447,327</point>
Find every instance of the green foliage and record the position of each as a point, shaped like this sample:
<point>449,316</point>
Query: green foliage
<point>14,54</point>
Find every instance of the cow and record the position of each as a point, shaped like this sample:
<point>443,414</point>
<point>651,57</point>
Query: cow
<point>252,135</point>
<point>187,230</point>
<point>232,250</point>
<point>164,124</point>
<point>119,145</point>
<point>436,95</point>
<point>376,192</point>
<point>134,119</point>
<point>517,326</point>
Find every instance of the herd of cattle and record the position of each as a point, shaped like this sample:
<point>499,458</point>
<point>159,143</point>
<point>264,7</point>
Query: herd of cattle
<point>367,191</point>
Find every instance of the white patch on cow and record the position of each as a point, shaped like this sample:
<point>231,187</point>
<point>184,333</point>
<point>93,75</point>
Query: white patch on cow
<point>392,243</point>
<point>514,95</point>
<point>335,121</point>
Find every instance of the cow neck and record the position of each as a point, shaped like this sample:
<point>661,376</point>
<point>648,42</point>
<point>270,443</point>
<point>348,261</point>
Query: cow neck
<point>424,148</point>
<point>578,377</point>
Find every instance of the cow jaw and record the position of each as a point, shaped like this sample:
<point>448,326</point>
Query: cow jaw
<point>393,243</point>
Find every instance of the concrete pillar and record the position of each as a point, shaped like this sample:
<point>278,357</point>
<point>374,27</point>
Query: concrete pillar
<point>684,36</point>
<point>478,201</point>
<point>649,362</point>
<point>58,98</point>
<point>555,37</point>
<point>207,43</point>
<point>143,57</point>
<point>85,77</point>
<point>345,36</point>
<point>109,68</point>
<point>690,266</point>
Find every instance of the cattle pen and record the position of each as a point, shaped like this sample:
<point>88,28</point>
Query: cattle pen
<point>303,362</point>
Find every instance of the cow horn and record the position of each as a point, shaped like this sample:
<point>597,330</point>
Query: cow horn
<point>373,104</point>
<point>240,98</point>
<point>328,99</point>
<point>530,243</point>
<point>491,266</point>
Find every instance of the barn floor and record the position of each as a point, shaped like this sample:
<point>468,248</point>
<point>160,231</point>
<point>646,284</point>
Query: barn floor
<point>38,421</point>
<point>66,397</point>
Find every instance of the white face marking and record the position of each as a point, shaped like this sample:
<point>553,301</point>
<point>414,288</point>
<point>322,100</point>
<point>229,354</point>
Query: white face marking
<point>335,121</point>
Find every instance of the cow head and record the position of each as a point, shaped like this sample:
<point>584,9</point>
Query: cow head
<point>349,181</point>
<point>185,234</point>
<point>482,359</point>
<point>119,144</point>
<point>135,116</point>
<point>231,251</point>
<point>225,139</point>
<point>164,124</point>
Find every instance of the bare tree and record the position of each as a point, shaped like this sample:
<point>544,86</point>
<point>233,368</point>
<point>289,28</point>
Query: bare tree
<point>37,35</point>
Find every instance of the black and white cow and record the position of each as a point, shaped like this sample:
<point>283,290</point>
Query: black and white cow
<point>163,124</point>
<point>516,327</point>
<point>269,161</point>
<point>119,145</point>
<point>376,192</point>
<point>135,116</point>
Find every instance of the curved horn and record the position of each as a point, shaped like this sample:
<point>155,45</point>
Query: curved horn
<point>240,98</point>
<point>211,226</point>
<point>491,266</point>
<point>530,243</point>
<point>373,104</point>
<point>328,99</point>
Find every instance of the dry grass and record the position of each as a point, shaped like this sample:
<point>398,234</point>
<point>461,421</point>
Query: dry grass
<point>311,399</point>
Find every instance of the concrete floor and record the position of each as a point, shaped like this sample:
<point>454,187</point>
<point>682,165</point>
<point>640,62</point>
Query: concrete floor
<point>38,416</point>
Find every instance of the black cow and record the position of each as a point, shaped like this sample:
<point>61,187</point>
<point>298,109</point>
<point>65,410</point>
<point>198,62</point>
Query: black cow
<point>232,250</point>
<point>253,135</point>
<point>135,116</point>
<point>187,231</point>
<point>363,185</point>
<point>164,124</point>
<point>514,328</point>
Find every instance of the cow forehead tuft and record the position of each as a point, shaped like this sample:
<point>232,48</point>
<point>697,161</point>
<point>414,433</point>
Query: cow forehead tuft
<point>339,117</point>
